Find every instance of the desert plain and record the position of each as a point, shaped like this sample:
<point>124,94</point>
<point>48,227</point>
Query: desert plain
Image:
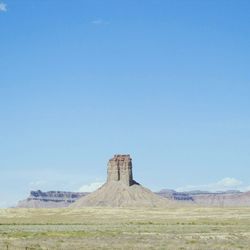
<point>187,227</point>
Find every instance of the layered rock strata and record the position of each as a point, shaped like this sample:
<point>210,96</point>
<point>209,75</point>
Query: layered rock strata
<point>121,190</point>
<point>51,199</point>
<point>120,169</point>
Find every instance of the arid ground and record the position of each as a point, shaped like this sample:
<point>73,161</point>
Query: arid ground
<point>121,228</point>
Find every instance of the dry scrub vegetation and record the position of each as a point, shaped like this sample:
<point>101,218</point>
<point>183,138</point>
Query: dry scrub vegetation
<point>121,228</point>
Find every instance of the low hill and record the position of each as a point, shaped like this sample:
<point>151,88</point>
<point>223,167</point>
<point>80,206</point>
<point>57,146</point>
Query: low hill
<point>117,194</point>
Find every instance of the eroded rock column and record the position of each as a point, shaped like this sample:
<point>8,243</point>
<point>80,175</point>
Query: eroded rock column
<point>120,169</point>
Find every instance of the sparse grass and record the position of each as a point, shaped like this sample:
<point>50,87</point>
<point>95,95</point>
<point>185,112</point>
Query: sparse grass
<point>125,228</point>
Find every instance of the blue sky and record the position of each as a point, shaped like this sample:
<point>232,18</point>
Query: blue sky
<point>166,81</point>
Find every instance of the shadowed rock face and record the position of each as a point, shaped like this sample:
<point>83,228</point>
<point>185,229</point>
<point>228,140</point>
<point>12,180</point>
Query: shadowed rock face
<point>120,169</point>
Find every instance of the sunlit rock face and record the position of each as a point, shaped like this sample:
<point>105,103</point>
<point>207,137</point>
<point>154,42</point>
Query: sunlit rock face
<point>120,190</point>
<point>120,169</point>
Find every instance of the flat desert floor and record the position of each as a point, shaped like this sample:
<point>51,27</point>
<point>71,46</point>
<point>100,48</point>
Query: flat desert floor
<point>125,228</point>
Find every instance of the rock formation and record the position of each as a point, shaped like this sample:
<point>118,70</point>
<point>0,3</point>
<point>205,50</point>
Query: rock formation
<point>120,169</point>
<point>224,199</point>
<point>56,199</point>
<point>231,198</point>
<point>51,199</point>
<point>121,190</point>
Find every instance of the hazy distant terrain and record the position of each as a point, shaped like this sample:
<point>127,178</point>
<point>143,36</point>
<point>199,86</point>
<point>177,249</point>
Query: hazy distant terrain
<point>123,228</point>
<point>56,199</point>
<point>102,219</point>
<point>230,198</point>
<point>51,199</point>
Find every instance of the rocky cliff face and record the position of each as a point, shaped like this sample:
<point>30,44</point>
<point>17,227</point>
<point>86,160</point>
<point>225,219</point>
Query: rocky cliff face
<point>39,199</point>
<point>120,169</point>
<point>121,190</point>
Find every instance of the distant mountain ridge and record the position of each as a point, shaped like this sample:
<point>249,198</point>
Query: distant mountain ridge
<point>121,190</point>
<point>219,198</point>
<point>40,199</point>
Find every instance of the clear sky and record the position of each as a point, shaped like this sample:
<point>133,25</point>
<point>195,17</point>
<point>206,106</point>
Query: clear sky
<point>166,81</point>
